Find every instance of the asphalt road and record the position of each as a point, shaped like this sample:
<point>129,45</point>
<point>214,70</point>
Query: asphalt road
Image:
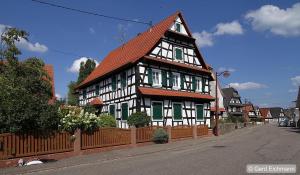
<point>227,154</point>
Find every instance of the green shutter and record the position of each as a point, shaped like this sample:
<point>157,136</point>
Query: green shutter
<point>194,83</point>
<point>170,79</point>
<point>200,114</point>
<point>178,54</point>
<point>164,80</point>
<point>124,111</point>
<point>97,90</point>
<point>150,79</point>
<point>177,109</point>
<point>114,83</point>
<point>112,109</point>
<point>203,85</point>
<point>157,111</point>
<point>123,79</point>
<point>84,94</point>
<point>182,79</point>
<point>177,27</point>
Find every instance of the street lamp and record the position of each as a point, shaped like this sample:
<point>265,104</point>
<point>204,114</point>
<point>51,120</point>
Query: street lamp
<point>225,74</point>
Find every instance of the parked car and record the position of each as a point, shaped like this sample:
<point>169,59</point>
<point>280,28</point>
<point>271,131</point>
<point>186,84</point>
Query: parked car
<point>284,122</point>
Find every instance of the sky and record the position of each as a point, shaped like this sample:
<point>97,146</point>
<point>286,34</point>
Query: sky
<point>258,41</point>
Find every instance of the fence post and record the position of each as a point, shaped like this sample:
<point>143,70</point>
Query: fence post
<point>169,131</point>
<point>194,131</point>
<point>77,141</point>
<point>133,135</point>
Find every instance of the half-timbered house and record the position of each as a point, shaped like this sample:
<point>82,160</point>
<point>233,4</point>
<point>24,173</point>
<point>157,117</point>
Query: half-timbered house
<point>160,71</point>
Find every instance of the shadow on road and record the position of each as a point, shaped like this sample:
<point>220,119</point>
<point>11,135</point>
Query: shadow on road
<point>295,130</point>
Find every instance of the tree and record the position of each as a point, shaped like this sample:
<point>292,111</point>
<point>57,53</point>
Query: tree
<point>72,97</point>
<point>25,89</point>
<point>85,69</point>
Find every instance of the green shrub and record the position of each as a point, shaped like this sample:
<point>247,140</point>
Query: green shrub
<point>90,109</point>
<point>160,136</point>
<point>107,121</point>
<point>138,119</point>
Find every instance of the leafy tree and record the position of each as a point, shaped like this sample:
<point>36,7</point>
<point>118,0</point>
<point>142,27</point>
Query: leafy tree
<point>25,89</point>
<point>72,97</point>
<point>85,69</point>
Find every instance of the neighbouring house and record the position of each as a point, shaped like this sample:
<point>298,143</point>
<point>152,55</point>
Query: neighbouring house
<point>249,112</point>
<point>267,116</point>
<point>222,111</point>
<point>50,71</point>
<point>160,72</point>
<point>232,102</point>
<point>257,111</point>
<point>277,113</point>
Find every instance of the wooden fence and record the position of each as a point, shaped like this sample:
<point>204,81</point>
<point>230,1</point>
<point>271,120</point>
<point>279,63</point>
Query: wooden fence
<point>32,144</point>
<point>202,130</point>
<point>179,132</point>
<point>145,134</point>
<point>105,137</point>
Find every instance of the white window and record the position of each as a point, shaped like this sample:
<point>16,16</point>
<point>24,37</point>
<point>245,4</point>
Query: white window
<point>176,80</point>
<point>198,84</point>
<point>156,75</point>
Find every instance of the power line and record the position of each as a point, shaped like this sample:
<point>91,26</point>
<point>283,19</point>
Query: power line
<point>92,13</point>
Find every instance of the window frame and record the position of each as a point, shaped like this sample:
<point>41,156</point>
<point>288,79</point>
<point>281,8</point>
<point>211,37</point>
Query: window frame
<point>159,84</point>
<point>97,90</point>
<point>114,77</point>
<point>84,94</point>
<point>126,79</point>
<point>162,108</point>
<point>115,110</point>
<point>173,81</point>
<point>127,111</point>
<point>198,79</point>
<point>174,54</point>
<point>203,112</point>
<point>173,112</point>
<point>176,27</point>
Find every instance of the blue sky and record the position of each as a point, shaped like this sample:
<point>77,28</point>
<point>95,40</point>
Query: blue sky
<point>258,40</point>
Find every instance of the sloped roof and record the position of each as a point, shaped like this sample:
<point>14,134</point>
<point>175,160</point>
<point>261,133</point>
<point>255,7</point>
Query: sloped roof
<point>275,111</point>
<point>264,112</point>
<point>133,50</point>
<point>173,93</point>
<point>228,94</point>
<point>96,101</point>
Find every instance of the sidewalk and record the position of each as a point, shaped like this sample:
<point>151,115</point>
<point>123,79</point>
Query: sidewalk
<point>126,153</point>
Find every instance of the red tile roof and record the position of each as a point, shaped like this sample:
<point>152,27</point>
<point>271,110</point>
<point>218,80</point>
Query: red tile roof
<point>173,93</point>
<point>264,112</point>
<point>248,107</point>
<point>49,69</point>
<point>96,102</point>
<point>133,50</point>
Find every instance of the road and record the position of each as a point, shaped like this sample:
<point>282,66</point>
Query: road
<point>227,154</point>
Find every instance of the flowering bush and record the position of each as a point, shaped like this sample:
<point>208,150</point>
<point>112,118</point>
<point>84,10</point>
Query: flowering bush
<point>107,121</point>
<point>79,120</point>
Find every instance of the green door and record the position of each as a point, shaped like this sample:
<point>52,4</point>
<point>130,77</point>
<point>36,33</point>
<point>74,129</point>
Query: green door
<point>112,110</point>
<point>157,111</point>
<point>124,111</point>
<point>199,112</point>
<point>177,110</point>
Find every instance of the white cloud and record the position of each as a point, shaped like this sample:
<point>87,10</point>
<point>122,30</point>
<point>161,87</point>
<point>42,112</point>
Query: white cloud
<point>58,96</point>
<point>92,30</point>
<point>34,47</point>
<point>285,22</point>
<point>221,69</point>
<point>292,90</point>
<point>76,64</point>
<point>203,39</point>
<point>247,86</point>
<point>296,80</point>
<point>232,28</point>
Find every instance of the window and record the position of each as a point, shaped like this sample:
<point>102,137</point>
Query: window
<point>177,27</point>
<point>84,94</point>
<point>164,81</point>
<point>123,79</point>
<point>114,83</point>
<point>156,79</point>
<point>157,111</point>
<point>199,112</point>
<point>176,81</point>
<point>124,108</point>
<point>177,111</point>
<point>178,53</point>
<point>198,84</point>
<point>112,110</point>
<point>97,90</point>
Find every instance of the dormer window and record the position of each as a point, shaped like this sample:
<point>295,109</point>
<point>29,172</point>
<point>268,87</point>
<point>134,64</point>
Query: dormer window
<point>177,27</point>
<point>178,53</point>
